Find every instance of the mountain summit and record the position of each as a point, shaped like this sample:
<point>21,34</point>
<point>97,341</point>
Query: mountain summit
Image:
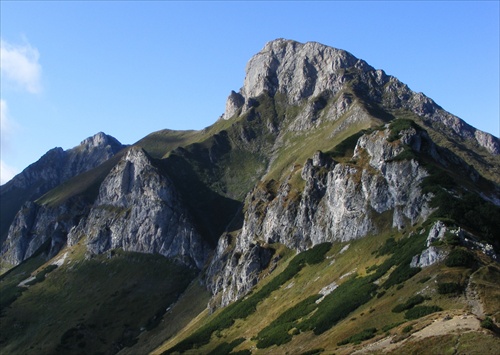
<point>331,208</point>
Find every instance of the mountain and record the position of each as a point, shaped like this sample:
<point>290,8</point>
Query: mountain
<point>330,209</point>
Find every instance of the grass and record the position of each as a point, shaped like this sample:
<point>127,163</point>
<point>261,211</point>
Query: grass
<point>91,306</point>
<point>282,316</point>
<point>9,291</point>
<point>85,185</point>
<point>246,306</point>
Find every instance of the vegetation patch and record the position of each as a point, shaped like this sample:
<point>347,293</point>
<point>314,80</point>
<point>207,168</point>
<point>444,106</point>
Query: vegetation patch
<point>424,279</point>
<point>337,305</point>
<point>346,147</point>
<point>41,275</point>
<point>226,348</point>
<point>91,306</point>
<point>421,311</point>
<point>402,252</point>
<point>406,154</point>
<point>388,327</point>
<point>278,332</point>
<point>459,258</point>
<point>313,352</point>
<point>398,125</point>
<point>412,302</point>
<point>445,288</point>
<point>471,211</point>
<point>359,337</point>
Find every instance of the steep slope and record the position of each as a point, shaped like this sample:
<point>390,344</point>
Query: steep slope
<point>51,170</point>
<point>327,185</point>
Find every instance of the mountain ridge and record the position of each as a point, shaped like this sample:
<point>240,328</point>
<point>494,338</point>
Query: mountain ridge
<point>316,154</point>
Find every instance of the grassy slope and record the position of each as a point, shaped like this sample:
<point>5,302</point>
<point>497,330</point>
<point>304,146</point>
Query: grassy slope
<point>91,306</point>
<point>376,313</point>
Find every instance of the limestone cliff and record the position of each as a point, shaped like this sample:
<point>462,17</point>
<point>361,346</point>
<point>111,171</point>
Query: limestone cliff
<point>52,169</point>
<point>302,71</point>
<point>339,202</point>
<point>138,209</point>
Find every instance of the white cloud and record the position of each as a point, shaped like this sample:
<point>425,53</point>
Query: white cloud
<point>20,67</point>
<point>6,172</point>
<point>7,128</point>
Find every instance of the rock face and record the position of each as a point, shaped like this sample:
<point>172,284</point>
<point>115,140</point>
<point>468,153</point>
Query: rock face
<point>35,225</point>
<point>339,202</point>
<point>58,165</point>
<point>51,170</point>
<point>312,70</point>
<point>299,70</point>
<point>138,210</point>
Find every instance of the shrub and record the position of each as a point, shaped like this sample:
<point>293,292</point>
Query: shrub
<point>313,352</point>
<point>406,154</point>
<point>388,327</point>
<point>488,323</point>
<point>402,273</point>
<point>407,329</point>
<point>420,311</point>
<point>389,247</point>
<point>399,125</point>
<point>338,304</point>
<point>459,257</point>
<point>41,275</point>
<point>424,279</point>
<point>242,352</point>
<point>277,332</point>
<point>359,337</point>
<point>346,145</point>
<point>226,348</point>
<point>413,301</point>
<point>244,307</point>
<point>449,287</point>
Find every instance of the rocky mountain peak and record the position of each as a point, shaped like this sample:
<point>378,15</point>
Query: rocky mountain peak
<point>100,140</point>
<point>303,71</point>
<point>297,70</point>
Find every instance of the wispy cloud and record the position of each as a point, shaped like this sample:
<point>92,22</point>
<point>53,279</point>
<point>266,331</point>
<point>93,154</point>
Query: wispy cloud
<point>6,172</point>
<point>7,128</point>
<point>20,70</point>
<point>20,66</point>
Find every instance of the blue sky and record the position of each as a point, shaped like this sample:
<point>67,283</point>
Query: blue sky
<point>72,69</point>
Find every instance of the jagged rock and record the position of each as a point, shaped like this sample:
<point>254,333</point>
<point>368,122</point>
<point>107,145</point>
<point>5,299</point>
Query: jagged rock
<point>429,256</point>
<point>338,203</point>
<point>298,70</point>
<point>58,165</point>
<point>35,225</point>
<point>139,210</point>
<point>307,87</point>
<point>306,71</point>
<point>52,169</point>
<point>234,102</point>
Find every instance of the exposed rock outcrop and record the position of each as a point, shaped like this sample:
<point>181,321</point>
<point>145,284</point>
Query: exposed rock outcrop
<point>339,202</point>
<point>58,165</point>
<point>52,169</point>
<point>139,210</point>
<point>307,71</point>
<point>36,225</point>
